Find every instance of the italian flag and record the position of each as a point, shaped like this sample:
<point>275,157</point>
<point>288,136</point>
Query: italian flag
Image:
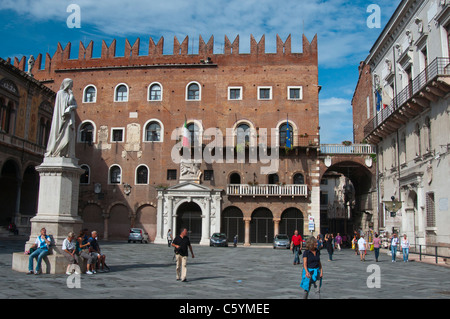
<point>186,142</point>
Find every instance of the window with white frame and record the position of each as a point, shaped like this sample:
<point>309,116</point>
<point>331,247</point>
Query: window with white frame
<point>155,92</point>
<point>117,134</point>
<point>235,93</point>
<point>121,93</point>
<point>142,175</point>
<point>86,133</point>
<point>193,92</point>
<point>84,178</point>
<point>153,132</point>
<point>295,92</point>
<point>90,94</point>
<point>115,174</point>
<point>264,93</point>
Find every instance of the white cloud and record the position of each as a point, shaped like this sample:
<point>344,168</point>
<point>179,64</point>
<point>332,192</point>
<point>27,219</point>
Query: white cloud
<point>340,24</point>
<point>336,120</point>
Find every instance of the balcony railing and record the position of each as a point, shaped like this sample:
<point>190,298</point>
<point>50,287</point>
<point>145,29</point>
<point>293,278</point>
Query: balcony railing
<point>354,149</point>
<point>267,190</point>
<point>439,67</point>
<point>21,144</point>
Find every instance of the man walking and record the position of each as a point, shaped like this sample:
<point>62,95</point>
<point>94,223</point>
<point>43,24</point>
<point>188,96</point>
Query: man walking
<point>181,244</point>
<point>296,246</point>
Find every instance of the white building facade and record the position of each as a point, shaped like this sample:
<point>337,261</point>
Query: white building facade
<point>411,85</point>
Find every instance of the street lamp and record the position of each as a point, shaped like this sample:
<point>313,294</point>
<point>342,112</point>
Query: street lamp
<point>393,206</point>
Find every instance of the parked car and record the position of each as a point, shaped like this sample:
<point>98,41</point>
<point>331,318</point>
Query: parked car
<point>281,240</point>
<point>218,239</point>
<point>137,234</point>
<point>305,238</point>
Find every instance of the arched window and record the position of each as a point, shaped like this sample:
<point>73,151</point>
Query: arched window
<point>86,133</point>
<point>142,175</point>
<point>115,174</point>
<point>299,179</point>
<point>193,91</point>
<point>283,134</point>
<point>155,92</point>
<point>235,179</point>
<point>153,132</point>
<point>194,134</point>
<point>7,115</point>
<point>243,134</point>
<point>84,178</point>
<point>41,132</point>
<point>90,94</point>
<point>273,179</point>
<point>121,94</point>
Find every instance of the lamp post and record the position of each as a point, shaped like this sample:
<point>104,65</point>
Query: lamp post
<point>393,206</point>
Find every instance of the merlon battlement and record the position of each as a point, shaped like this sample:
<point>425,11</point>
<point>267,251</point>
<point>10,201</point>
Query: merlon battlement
<point>180,54</point>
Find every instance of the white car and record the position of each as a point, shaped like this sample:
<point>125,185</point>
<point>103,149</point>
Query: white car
<point>137,234</point>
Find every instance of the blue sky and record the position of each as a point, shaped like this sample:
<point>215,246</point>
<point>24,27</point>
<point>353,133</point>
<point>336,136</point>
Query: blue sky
<point>33,27</point>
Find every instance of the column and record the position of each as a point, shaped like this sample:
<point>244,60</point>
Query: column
<point>247,230</point>
<point>206,222</point>
<point>276,226</point>
<point>159,220</point>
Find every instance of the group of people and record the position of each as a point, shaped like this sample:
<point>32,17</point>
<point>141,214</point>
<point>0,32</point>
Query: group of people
<point>73,248</point>
<point>360,246</point>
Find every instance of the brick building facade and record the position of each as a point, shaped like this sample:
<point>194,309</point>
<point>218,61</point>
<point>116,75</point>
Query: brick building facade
<point>131,111</point>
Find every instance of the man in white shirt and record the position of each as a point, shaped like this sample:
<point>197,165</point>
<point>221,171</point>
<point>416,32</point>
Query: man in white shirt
<point>362,248</point>
<point>41,245</point>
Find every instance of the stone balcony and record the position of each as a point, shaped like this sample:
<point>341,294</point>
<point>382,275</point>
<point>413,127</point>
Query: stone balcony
<point>267,190</point>
<point>429,86</point>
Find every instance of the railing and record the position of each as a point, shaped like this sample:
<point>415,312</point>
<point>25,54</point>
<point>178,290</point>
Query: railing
<point>22,144</point>
<point>440,66</point>
<point>347,149</point>
<point>267,190</point>
<point>429,250</point>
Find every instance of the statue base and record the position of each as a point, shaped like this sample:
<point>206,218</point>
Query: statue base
<point>57,211</point>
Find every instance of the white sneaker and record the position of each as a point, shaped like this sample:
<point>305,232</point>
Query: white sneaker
<point>68,273</point>
<point>89,272</point>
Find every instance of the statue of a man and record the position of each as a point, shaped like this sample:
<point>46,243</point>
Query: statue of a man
<point>61,142</point>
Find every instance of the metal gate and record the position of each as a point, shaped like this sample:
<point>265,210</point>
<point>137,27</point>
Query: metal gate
<point>262,226</point>
<point>233,224</point>
<point>189,215</point>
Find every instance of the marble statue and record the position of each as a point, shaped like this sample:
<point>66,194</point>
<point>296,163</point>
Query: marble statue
<point>31,63</point>
<point>61,142</point>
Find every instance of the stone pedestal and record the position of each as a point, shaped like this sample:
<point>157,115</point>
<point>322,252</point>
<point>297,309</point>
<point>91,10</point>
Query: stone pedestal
<point>57,211</point>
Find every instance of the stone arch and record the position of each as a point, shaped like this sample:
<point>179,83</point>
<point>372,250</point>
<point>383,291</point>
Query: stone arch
<point>292,219</point>
<point>10,182</point>
<point>119,220</point>
<point>232,223</point>
<point>189,214</point>
<point>92,215</point>
<point>262,226</point>
<point>145,218</point>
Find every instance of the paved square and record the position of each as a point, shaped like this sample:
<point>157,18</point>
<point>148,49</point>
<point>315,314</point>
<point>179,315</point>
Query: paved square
<point>148,271</point>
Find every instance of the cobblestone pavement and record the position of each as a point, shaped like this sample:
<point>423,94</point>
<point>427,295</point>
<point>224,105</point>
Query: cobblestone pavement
<point>148,271</point>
